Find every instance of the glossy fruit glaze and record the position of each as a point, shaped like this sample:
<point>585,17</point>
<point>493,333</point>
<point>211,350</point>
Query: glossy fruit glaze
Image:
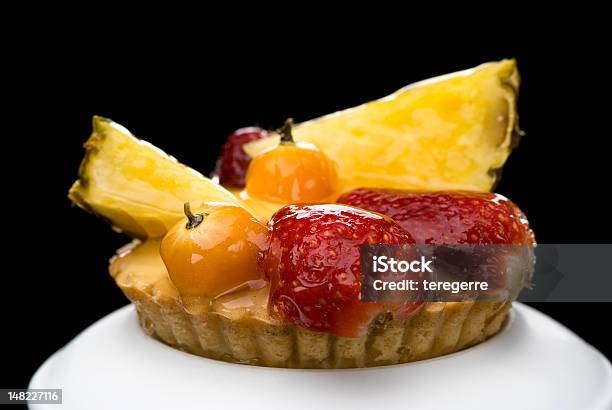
<point>313,264</point>
<point>292,172</point>
<point>222,252</point>
<point>234,162</point>
<point>451,217</point>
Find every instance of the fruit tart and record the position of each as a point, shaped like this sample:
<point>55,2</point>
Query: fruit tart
<point>260,264</point>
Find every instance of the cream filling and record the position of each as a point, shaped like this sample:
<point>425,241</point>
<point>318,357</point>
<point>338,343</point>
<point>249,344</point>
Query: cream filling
<point>138,267</point>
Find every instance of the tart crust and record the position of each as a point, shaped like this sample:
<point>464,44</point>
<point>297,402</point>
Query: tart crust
<point>237,328</point>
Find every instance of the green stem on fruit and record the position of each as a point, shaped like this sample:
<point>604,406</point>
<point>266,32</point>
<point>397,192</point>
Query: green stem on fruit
<point>285,132</point>
<point>193,219</point>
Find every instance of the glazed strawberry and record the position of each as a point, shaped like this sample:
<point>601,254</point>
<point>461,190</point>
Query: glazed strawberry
<point>453,217</point>
<point>461,217</point>
<point>313,263</point>
<point>234,162</point>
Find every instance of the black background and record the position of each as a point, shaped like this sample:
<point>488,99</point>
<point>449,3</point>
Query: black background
<point>186,98</point>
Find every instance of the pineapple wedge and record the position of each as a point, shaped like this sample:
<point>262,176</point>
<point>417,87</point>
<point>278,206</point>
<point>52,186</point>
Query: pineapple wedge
<point>138,188</point>
<point>449,132</point>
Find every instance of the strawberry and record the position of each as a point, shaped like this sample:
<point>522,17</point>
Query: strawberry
<point>453,217</point>
<point>313,263</point>
<point>234,161</point>
<point>460,217</point>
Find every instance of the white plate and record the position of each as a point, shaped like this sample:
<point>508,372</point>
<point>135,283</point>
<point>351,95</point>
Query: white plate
<point>534,363</point>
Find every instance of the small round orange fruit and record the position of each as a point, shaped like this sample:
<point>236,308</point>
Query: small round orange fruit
<point>215,250</point>
<point>292,172</point>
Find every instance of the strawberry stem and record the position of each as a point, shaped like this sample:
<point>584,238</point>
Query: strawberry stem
<point>285,131</point>
<point>193,220</point>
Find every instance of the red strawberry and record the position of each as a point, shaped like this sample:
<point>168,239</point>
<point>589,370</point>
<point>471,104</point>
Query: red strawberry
<point>453,217</point>
<point>234,162</point>
<point>313,263</point>
<point>460,217</point>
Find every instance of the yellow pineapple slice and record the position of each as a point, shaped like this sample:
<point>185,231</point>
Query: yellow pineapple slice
<point>449,132</point>
<point>138,188</point>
